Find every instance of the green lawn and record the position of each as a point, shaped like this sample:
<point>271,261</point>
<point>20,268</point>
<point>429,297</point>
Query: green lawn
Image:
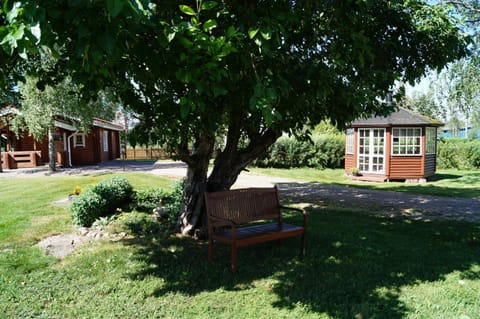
<point>356,266</point>
<point>449,183</point>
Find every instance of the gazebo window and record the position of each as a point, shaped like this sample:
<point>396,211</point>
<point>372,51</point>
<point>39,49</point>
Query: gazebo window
<point>349,146</point>
<point>431,137</point>
<point>406,141</point>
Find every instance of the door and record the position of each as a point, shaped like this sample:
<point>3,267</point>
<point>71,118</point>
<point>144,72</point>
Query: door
<point>371,150</point>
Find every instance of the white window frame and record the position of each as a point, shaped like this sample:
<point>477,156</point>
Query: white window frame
<point>105,141</point>
<point>350,141</point>
<point>403,147</point>
<point>76,142</point>
<point>372,159</point>
<point>430,140</point>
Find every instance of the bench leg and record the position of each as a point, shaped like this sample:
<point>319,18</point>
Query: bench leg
<point>210,249</point>
<point>302,245</point>
<point>234,259</point>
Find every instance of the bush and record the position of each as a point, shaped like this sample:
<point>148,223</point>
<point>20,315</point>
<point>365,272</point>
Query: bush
<point>458,153</point>
<point>117,192</point>
<point>323,151</point>
<point>147,200</point>
<point>87,207</point>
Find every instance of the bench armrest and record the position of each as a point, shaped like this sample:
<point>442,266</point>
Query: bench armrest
<point>300,210</point>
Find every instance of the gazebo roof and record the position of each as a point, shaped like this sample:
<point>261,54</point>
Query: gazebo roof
<point>400,117</point>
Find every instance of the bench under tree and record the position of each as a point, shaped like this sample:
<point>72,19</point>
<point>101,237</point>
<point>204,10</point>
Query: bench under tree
<point>244,217</point>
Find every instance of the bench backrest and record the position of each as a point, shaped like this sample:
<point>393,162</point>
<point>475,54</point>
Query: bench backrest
<point>244,205</point>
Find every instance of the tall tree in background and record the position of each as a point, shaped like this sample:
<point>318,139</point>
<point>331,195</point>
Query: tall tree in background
<point>247,69</point>
<point>454,92</point>
<point>40,108</point>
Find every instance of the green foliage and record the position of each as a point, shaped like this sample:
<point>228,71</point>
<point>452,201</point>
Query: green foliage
<point>147,199</point>
<point>117,192</point>
<point>104,199</point>
<point>87,207</point>
<point>458,153</point>
<point>322,151</point>
<point>138,224</point>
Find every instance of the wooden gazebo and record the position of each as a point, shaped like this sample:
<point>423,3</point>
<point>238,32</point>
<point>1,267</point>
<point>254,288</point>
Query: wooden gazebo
<point>401,146</point>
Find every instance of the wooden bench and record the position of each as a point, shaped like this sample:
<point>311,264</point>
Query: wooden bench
<point>232,216</point>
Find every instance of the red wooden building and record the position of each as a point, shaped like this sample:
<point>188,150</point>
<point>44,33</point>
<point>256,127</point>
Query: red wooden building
<point>72,146</point>
<point>401,146</point>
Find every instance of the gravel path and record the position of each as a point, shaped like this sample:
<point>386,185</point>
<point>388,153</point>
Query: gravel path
<point>424,207</point>
<point>376,201</point>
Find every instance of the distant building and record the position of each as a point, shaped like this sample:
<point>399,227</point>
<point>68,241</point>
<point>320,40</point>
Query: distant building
<point>460,133</point>
<point>72,147</point>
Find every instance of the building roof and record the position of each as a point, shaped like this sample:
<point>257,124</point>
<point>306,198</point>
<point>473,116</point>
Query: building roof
<point>8,109</point>
<point>400,117</point>
<point>65,123</point>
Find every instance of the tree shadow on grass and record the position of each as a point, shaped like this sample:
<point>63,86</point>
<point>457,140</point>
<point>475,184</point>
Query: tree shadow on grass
<point>355,264</point>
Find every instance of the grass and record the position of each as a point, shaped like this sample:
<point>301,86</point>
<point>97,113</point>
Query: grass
<point>356,266</point>
<point>448,183</point>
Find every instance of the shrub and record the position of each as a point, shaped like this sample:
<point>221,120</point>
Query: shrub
<point>117,192</point>
<point>323,151</point>
<point>87,207</point>
<point>458,153</point>
<point>146,200</point>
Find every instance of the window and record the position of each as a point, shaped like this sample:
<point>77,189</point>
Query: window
<point>349,147</point>
<point>431,137</point>
<point>406,141</point>
<point>79,140</point>
<point>105,141</point>
<point>371,144</point>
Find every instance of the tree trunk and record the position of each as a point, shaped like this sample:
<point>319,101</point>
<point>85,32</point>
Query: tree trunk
<point>192,209</point>
<point>52,163</point>
<point>228,165</point>
<point>232,161</point>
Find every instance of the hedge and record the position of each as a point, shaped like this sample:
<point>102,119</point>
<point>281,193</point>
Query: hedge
<point>323,151</point>
<point>458,153</point>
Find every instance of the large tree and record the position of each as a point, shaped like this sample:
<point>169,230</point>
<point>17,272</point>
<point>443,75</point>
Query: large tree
<point>248,70</point>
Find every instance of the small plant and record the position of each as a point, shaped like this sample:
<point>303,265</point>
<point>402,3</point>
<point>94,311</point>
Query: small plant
<point>138,224</point>
<point>355,171</point>
<point>77,190</point>
<point>103,222</point>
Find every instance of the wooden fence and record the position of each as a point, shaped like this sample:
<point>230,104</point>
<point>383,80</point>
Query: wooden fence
<point>146,153</point>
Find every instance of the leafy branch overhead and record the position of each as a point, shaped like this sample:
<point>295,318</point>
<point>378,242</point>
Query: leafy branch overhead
<point>240,71</point>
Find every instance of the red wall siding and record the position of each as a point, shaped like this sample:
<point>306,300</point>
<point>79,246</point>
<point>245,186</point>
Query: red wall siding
<point>83,155</point>
<point>402,167</point>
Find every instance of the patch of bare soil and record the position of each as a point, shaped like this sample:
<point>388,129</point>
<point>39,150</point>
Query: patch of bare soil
<point>61,245</point>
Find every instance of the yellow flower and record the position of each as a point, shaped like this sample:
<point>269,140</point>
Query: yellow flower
<point>77,190</point>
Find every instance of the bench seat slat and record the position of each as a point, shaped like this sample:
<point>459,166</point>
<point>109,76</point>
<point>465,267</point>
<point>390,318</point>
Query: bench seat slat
<point>258,233</point>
